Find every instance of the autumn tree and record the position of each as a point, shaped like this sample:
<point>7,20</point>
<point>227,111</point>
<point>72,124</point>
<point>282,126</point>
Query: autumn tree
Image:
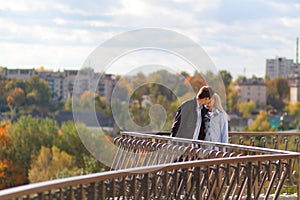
<point>70,142</point>
<point>15,98</point>
<point>261,123</point>
<point>7,85</point>
<point>14,83</point>
<point>38,91</point>
<point>67,104</point>
<point>4,139</point>
<point>52,163</point>
<point>294,109</point>
<point>277,92</point>
<point>246,108</point>
<point>27,136</point>
<point>11,173</point>
<point>232,96</point>
<point>196,81</point>
<point>2,94</point>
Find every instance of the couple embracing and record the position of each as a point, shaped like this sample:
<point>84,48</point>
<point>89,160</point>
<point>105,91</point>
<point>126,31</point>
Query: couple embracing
<point>202,118</point>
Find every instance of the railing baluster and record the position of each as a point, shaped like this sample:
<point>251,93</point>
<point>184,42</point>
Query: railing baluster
<point>101,190</point>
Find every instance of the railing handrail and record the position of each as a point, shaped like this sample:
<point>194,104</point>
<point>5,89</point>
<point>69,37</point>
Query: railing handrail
<point>250,133</point>
<point>102,176</point>
<point>153,135</point>
<point>264,133</point>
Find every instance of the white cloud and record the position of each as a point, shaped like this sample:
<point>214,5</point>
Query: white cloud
<point>235,35</point>
<point>67,9</point>
<point>35,55</point>
<point>23,5</point>
<point>290,22</point>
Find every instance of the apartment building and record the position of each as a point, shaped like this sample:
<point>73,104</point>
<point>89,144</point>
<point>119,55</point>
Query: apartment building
<point>253,89</point>
<point>88,80</point>
<point>55,81</point>
<point>62,83</point>
<point>68,83</point>
<point>20,74</point>
<point>106,85</point>
<point>280,67</point>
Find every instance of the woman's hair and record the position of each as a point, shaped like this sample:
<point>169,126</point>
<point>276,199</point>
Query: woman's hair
<point>218,103</point>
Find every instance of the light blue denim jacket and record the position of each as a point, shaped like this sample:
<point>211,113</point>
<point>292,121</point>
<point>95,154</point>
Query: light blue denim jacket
<point>217,127</point>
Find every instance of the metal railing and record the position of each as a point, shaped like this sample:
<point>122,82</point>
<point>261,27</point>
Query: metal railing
<point>200,179</point>
<point>274,140</point>
<point>150,167</point>
<point>290,186</point>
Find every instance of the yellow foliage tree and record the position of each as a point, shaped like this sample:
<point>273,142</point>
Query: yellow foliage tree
<point>246,108</point>
<point>52,164</point>
<point>14,99</point>
<point>261,123</point>
<point>294,108</point>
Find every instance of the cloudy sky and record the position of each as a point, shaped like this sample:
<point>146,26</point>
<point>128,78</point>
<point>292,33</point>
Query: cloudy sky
<point>238,35</point>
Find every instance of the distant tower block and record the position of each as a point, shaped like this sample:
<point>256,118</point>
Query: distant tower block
<point>297,43</point>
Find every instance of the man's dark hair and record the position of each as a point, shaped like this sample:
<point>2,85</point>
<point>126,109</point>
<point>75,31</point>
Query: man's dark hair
<point>205,91</point>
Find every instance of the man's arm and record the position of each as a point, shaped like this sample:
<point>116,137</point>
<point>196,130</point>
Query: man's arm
<point>176,123</point>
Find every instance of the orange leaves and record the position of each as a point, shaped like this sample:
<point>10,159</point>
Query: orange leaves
<point>196,82</point>
<point>59,132</point>
<point>10,174</point>
<point>3,168</point>
<point>4,139</point>
<point>88,95</point>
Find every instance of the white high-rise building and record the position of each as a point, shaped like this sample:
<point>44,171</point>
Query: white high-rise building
<point>280,67</point>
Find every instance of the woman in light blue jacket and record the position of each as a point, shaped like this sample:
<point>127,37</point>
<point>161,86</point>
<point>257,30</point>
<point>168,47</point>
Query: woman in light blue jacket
<point>217,126</point>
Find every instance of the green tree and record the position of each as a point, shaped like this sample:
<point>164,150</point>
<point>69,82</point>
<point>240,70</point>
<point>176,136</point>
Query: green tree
<point>27,136</point>
<point>184,74</point>
<point>2,94</point>
<point>294,109</point>
<point>227,78</point>
<point>14,83</point>
<point>277,92</point>
<point>67,104</point>
<point>38,91</point>
<point>69,142</point>
<point>283,88</point>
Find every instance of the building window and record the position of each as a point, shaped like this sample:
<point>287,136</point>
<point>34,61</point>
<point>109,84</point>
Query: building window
<point>13,71</point>
<point>24,71</point>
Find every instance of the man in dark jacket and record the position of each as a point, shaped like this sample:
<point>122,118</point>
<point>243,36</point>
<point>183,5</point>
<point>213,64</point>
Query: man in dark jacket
<point>188,122</point>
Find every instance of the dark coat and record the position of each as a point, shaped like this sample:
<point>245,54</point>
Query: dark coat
<point>185,120</point>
